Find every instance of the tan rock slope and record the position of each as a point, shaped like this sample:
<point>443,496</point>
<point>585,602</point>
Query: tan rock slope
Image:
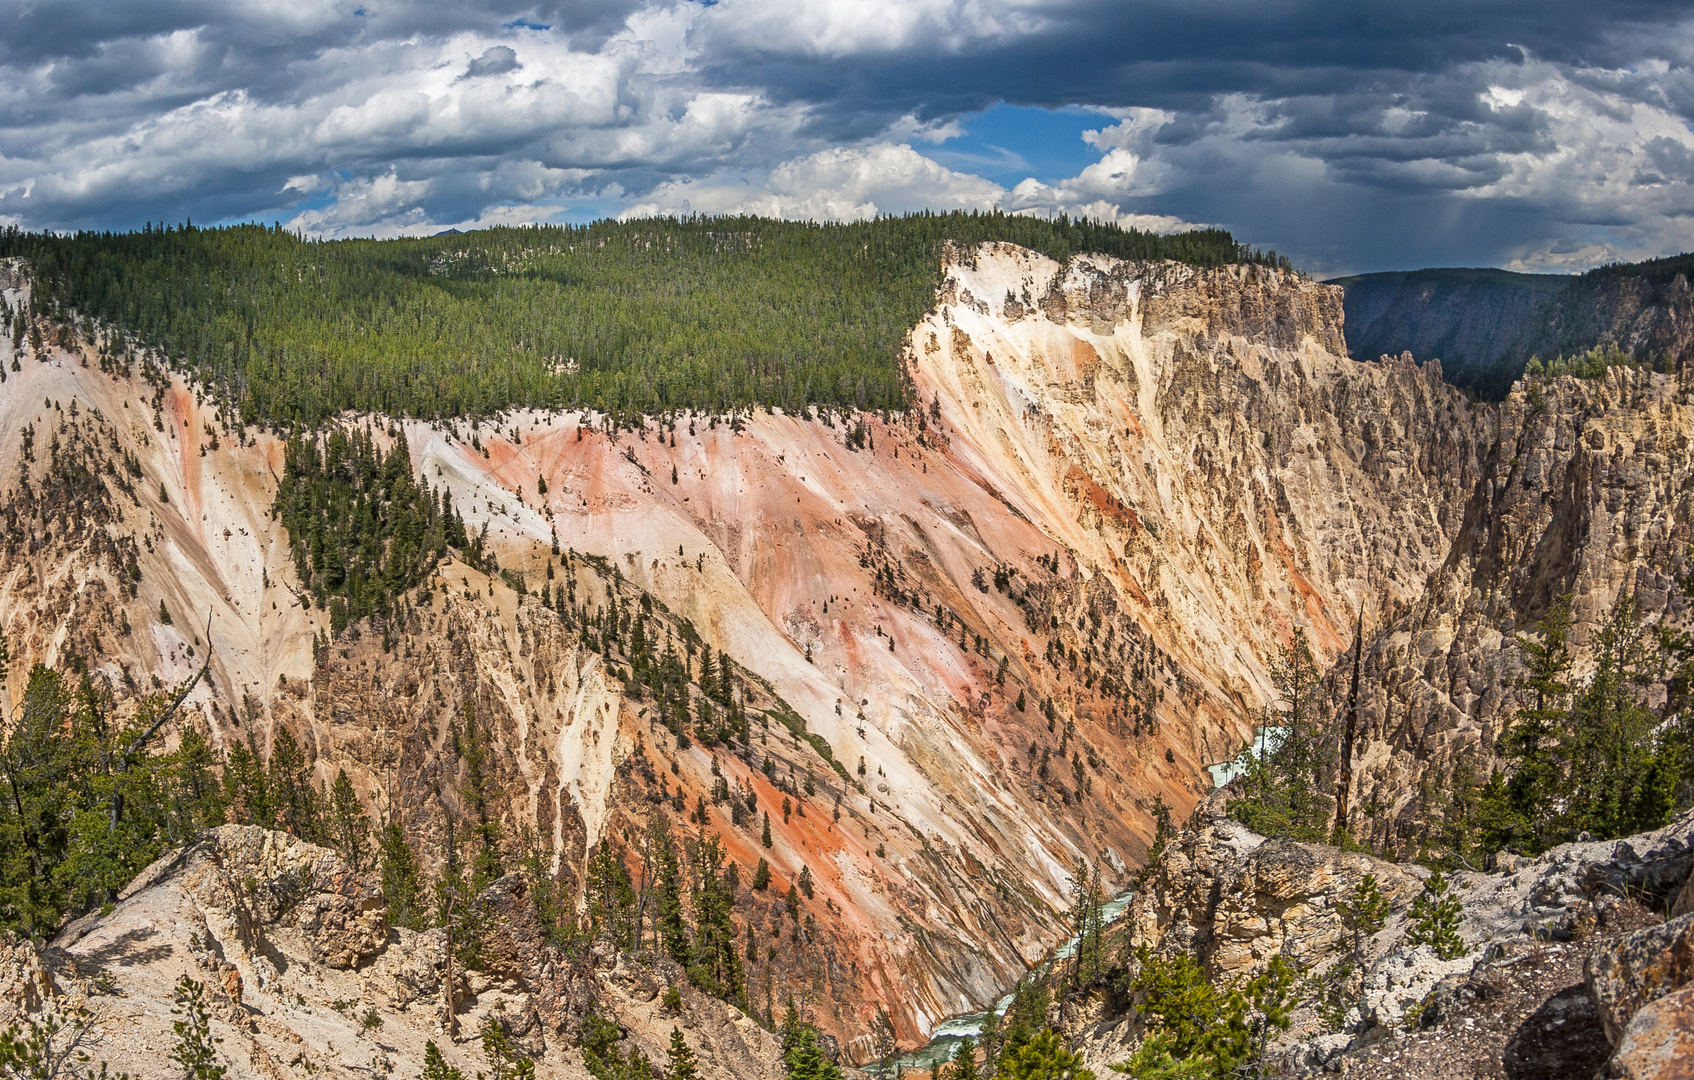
<point>1122,488</point>
<point>300,975</point>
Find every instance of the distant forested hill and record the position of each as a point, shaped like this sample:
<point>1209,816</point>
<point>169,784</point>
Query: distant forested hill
<point>631,317</point>
<point>1485,325</point>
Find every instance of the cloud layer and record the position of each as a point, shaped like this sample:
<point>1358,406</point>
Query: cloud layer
<point>1543,135</point>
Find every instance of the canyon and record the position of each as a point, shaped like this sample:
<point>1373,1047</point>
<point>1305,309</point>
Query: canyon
<point>1120,489</point>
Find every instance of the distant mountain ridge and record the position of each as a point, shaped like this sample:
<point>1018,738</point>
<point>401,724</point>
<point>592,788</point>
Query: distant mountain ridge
<point>1485,324</point>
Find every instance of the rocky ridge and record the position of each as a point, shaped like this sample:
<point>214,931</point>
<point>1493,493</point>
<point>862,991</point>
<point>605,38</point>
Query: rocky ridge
<point>1569,961</point>
<point>301,974</point>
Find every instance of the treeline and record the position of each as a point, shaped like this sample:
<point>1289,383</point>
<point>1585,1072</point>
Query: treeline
<point>1605,755</point>
<point>1592,363</point>
<point>625,317</point>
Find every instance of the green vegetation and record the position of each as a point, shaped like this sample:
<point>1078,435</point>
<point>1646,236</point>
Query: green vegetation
<point>361,526</point>
<point>635,317</point>
<point>1363,912</point>
<point>1043,1057</point>
<point>1435,919</point>
<point>1593,362</point>
<point>505,1061</point>
<point>682,1065</point>
<point>1608,755</point>
<point>963,1066</point>
<point>196,1048</point>
<point>1197,1031</point>
<point>801,1055</point>
<point>603,1059</point>
<point>1287,784</point>
<point>1087,897</point>
<point>435,1067</point>
<point>1591,758</point>
<point>89,798</point>
<point>53,1045</point>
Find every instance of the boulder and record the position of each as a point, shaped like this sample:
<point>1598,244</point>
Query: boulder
<point>1658,1044</point>
<point>1640,968</point>
<point>1684,902</point>
<point>1545,895</point>
<point>1402,982</point>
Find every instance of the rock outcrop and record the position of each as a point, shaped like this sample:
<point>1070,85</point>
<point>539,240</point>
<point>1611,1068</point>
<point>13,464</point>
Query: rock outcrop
<point>1642,968</point>
<point>1233,900</point>
<point>1566,948</point>
<point>300,973</point>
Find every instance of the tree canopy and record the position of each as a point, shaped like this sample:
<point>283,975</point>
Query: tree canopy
<point>626,317</point>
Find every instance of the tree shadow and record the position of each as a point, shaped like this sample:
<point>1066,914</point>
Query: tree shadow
<point>126,950</point>
<point>1561,1039</point>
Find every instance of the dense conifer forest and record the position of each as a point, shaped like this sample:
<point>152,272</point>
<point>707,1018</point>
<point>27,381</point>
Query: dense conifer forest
<point>626,317</point>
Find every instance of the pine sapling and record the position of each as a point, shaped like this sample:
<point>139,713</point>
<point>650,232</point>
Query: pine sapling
<point>196,1048</point>
<point>1435,918</point>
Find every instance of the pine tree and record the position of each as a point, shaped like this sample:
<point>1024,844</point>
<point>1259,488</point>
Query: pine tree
<point>964,1061</point>
<point>611,896</point>
<point>473,748</point>
<point>762,876</point>
<point>803,1057</point>
<point>668,921</point>
<point>552,911</point>
<point>402,880</point>
<point>1043,1057</point>
<point>198,803</point>
<point>501,1052</point>
<point>1531,743</point>
<point>196,1047</point>
<point>349,827</point>
<point>682,1063</point>
<point>247,792</point>
<point>765,834</point>
<point>1363,912</point>
<point>435,1066</point>
<point>290,789</point>
<point>1435,918</point>
<point>715,965</point>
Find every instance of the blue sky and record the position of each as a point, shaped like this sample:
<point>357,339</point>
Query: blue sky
<point>1548,135</point>
<point>1007,143</point>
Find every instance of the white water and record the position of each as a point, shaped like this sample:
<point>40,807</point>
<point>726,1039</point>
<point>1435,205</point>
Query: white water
<point>948,1034</point>
<point>1265,741</point>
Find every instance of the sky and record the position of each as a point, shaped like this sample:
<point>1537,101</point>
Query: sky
<point>1537,135</point>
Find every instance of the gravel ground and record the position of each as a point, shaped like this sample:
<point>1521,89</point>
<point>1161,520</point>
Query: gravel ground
<point>1525,1016</point>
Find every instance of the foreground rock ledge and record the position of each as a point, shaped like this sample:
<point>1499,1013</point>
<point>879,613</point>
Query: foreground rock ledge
<point>300,972</point>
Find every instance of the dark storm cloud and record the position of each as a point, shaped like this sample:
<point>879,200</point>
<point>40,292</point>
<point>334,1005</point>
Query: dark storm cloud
<point>1353,136</point>
<point>495,60</point>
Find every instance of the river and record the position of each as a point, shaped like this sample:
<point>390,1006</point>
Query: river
<point>951,1031</point>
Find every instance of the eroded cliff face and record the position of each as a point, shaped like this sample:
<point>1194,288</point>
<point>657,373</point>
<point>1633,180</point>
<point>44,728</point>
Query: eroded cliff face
<point>1124,488</point>
<point>1585,498</point>
<point>1199,444</point>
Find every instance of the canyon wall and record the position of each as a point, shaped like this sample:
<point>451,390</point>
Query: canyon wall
<point>1015,616</point>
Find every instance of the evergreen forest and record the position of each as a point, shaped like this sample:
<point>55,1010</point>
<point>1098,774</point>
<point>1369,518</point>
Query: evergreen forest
<point>629,317</point>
